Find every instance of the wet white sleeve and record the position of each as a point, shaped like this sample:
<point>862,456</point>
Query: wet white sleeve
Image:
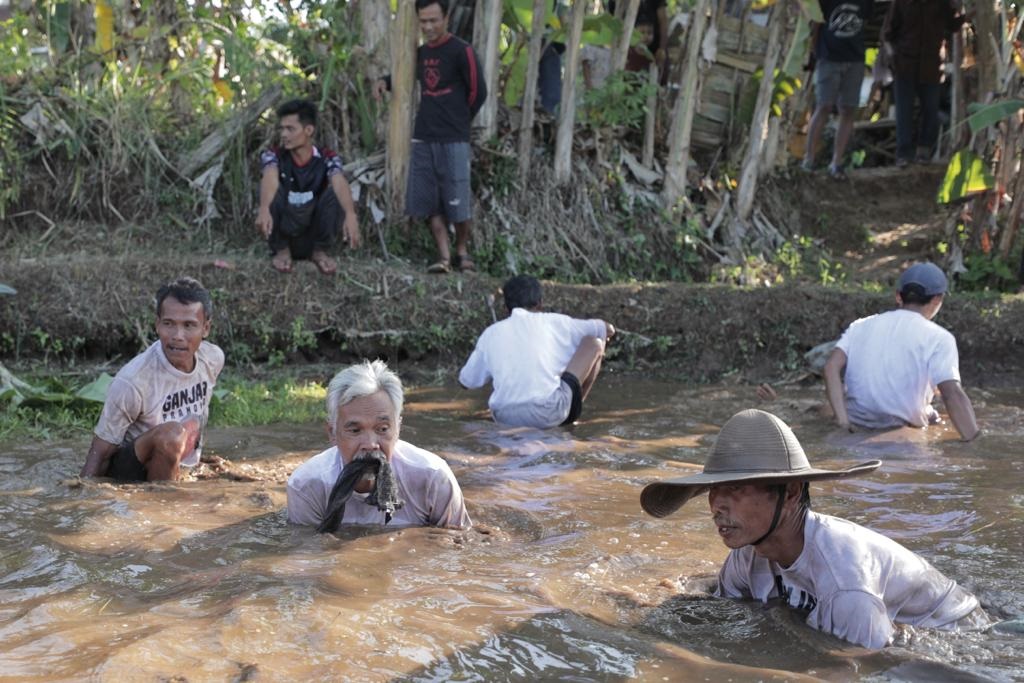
<point>733,578</point>
<point>304,508</point>
<point>474,373</point>
<point>121,409</point>
<point>856,616</point>
<point>446,505</point>
<point>944,363</point>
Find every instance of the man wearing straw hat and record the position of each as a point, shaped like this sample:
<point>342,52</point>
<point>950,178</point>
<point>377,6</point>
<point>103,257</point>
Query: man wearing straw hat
<point>850,581</point>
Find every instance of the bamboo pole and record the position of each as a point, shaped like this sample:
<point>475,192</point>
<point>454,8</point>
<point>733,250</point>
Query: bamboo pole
<point>530,88</point>
<point>621,49</point>
<point>758,127</point>
<point>488,37</point>
<point>403,76</point>
<point>567,112</point>
<point>681,130</point>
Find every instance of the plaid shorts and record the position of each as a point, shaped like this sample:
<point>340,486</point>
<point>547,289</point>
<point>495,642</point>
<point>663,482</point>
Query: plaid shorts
<point>438,182</point>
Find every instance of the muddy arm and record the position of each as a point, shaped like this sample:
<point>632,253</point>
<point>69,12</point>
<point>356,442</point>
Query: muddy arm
<point>269,184</point>
<point>960,410</point>
<point>98,460</point>
<point>834,386</point>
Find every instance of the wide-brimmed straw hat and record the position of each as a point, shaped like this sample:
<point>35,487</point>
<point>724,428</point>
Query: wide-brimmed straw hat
<point>753,446</point>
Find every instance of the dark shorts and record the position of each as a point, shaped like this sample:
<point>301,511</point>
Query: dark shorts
<point>438,182</point>
<point>838,83</point>
<point>125,465</point>
<point>576,407</point>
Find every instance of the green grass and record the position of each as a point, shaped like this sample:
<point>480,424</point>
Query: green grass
<point>245,402</point>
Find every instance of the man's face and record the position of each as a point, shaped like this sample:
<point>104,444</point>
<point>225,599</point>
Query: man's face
<point>181,329</point>
<point>742,512</point>
<point>293,134</point>
<point>646,34</point>
<point>364,425</point>
<point>433,22</point>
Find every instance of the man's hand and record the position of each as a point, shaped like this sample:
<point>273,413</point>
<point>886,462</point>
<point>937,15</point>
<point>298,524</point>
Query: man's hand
<point>352,230</point>
<point>609,331</point>
<point>264,222</point>
<point>379,88</point>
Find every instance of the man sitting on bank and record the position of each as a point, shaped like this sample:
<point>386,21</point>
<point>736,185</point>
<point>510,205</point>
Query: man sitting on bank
<point>303,194</point>
<point>849,581</point>
<point>158,403</point>
<point>369,475</point>
<point>542,365</point>
<point>894,361</point>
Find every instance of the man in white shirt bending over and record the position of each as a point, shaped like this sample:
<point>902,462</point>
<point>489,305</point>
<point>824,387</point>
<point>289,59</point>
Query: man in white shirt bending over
<point>542,365</point>
<point>895,361</point>
<point>369,476</point>
<point>844,578</point>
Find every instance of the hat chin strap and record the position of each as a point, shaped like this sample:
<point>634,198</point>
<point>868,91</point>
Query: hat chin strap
<point>775,519</point>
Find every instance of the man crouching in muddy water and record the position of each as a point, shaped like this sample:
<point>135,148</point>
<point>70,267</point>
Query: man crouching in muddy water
<point>158,403</point>
<point>849,581</point>
<point>369,476</point>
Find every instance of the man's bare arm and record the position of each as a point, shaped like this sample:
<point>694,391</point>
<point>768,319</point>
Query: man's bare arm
<point>98,460</point>
<point>344,194</point>
<point>269,184</point>
<point>834,386</point>
<point>960,410</point>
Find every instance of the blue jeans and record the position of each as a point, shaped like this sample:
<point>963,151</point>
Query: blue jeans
<point>907,91</point>
<point>549,78</point>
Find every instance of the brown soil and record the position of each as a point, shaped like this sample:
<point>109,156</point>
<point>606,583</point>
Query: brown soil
<point>93,305</point>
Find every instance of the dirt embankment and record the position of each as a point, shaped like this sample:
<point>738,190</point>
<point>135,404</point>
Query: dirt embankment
<point>99,307</point>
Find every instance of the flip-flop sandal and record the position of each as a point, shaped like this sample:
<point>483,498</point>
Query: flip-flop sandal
<point>440,268</point>
<point>324,263</point>
<point>466,265</point>
<point>282,262</point>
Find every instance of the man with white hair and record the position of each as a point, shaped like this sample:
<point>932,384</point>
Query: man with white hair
<point>381,478</point>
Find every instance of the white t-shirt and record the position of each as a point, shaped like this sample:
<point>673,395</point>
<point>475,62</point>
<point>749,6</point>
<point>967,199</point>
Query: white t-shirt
<point>425,483</point>
<point>600,59</point>
<point>895,362</point>
<point>525,355</point>
<point>853,582</point>
<point>149,391</point>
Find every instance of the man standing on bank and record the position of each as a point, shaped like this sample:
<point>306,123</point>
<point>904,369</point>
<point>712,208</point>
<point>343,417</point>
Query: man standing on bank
<point>895,361</point>
<point>303,194</point>
<point>542,365</point>
<point>159,403</point>
<point>452,91</point>
<point>838,54</point>
<point>848,580</point>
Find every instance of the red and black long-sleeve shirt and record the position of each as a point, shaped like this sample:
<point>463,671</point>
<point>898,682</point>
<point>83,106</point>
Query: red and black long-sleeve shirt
<point>452,90</point>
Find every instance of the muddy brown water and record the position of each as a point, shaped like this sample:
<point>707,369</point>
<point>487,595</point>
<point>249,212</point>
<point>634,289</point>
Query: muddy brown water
<point>204,580</point>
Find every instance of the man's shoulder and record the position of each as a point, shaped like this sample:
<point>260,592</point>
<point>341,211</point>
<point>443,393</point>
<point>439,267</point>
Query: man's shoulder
<point>318,469</point>
<point>147,361</point>
<point>415,457</point>
<point>212,355</point>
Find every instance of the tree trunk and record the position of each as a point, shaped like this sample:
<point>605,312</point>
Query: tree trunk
<point>621,49</point>
<point>684,110</point>
<point>567,112</point>
<point>530,88</point>
<point>375,21</point>
<point>486,35</point>
<point>989,30</point>
<point>403,77</point>
<point>758,127</point>
<point>650,116</point>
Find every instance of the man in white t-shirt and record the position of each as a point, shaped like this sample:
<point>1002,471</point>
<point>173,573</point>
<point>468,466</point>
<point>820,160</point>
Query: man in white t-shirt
<point>895,361</point>
<point>542,365</point>
<point>847,580</point>
<point>369,476</point>
<point>159,403</point>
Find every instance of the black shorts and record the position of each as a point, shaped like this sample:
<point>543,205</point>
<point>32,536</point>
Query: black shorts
<point>125,465</point>
<point>576,407</point>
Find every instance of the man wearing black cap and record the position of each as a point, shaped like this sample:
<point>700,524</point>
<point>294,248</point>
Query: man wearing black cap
<point>849,581</point>
<point>895,361</point>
